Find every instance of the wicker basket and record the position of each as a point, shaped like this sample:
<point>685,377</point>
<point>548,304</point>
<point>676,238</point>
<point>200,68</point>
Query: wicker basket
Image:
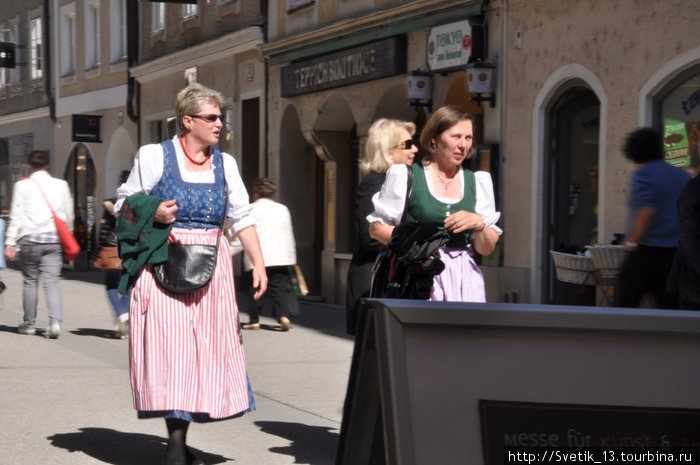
<point>575,269</point>
<point>607,259</point>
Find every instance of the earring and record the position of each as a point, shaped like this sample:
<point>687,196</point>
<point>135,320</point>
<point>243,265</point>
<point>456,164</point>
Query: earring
<point>433,144</point>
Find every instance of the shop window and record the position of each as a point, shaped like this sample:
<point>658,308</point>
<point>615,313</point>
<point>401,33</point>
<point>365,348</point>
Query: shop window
<point>678,117</point>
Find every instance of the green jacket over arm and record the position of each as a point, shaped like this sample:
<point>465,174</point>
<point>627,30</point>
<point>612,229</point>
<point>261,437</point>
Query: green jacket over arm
<point>142,241</point>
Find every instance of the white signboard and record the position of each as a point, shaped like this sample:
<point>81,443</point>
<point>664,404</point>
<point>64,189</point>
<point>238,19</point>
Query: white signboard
<point>449,45</point>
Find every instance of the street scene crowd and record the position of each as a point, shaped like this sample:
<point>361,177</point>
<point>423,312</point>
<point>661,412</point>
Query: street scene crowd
<point>169,236</point>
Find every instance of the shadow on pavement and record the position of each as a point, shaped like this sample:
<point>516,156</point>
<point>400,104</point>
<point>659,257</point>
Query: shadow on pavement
<point>95,332</point>
<point>118,448</point>
<point>323,317</point>
<point>13,329</point>
<point>315,445</point>
<point>8,329</point>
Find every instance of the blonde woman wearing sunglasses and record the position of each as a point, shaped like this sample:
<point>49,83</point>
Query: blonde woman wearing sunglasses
<point>186,351</point>
<point>389,142</point>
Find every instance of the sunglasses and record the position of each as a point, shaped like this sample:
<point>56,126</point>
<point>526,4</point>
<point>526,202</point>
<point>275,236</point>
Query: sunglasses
<point>210,118</point>
<point>407,144</point>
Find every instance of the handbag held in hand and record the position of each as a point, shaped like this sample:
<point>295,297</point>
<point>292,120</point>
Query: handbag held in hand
<point>108,259</point>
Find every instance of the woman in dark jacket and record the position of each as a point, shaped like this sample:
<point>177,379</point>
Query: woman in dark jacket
<point>389,142</point>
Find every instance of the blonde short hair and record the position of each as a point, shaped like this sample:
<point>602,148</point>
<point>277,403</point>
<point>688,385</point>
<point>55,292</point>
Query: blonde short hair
<point>190,99</point>
<point>384,135</point>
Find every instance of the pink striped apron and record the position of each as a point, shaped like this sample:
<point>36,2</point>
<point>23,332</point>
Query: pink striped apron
<point>186,350</point>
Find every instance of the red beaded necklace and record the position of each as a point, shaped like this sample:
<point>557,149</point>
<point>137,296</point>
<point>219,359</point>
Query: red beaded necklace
<point>198,163</point>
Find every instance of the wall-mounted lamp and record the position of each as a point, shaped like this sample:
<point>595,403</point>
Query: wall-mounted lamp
<point>480,81</point>
<point>419,89</point>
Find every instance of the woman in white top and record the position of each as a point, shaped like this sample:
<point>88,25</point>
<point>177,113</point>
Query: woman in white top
<point>273,223</point>
<point>186,351</point>
<point>447,196</point>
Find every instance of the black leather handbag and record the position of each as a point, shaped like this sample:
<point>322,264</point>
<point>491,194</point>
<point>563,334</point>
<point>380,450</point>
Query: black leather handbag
<point>190,266</point>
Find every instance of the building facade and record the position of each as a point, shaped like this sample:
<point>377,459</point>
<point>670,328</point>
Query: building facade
<point>216,44</point>
<point>335,67</point>
<point>25,111</point>
<point>94,136</point>
<point>303,80</point>
<point>577,77</point>
<point>571,80</point>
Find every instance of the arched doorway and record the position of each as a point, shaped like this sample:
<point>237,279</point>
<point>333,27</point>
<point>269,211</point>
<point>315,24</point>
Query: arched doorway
<point>80,174</point>
<point>119,157</point>
<point>571,186</point>
<point>335,142</point>
<point>301,189</point>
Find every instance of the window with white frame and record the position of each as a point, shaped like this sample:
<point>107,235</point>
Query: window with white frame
<point>189,10</point>
<point>117,30</point>
<point>16,72</point>
<point>92,34</point>
<point>4,72</point>
<point>67,34</point>
<point>158,17</point>
<point>35,49</point>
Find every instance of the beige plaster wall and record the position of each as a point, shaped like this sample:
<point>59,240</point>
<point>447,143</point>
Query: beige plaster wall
<point>622,43</point>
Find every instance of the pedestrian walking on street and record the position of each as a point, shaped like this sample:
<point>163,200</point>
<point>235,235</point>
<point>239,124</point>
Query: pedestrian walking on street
<point>652,233</point>
<point>108,260</point>
<point>389,141</point>
<point>31,236</point>
<point>446,196</point>
<point>186,352</point>
<point>274,227</point>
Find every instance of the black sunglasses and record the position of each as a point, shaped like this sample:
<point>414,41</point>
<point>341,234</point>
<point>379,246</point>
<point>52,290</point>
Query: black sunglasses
<point>210,118</point>
<point>407,144</point>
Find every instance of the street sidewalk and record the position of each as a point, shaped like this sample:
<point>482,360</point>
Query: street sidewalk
<point>68,401</point>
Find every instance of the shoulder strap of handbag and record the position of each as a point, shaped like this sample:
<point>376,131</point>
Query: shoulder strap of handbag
<point>43,194</point>
<point>409,184</point>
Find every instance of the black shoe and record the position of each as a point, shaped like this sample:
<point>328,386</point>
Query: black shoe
<point>2,287</point>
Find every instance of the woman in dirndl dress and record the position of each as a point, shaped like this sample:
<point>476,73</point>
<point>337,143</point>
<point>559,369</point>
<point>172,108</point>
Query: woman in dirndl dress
<point>186,350</point>
<point>447,196</point>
